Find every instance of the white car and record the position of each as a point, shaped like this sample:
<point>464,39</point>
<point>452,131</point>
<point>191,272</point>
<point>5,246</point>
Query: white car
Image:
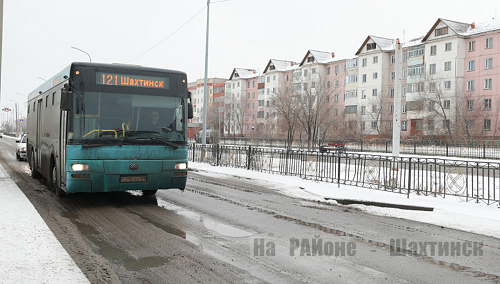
<point>21,148</point>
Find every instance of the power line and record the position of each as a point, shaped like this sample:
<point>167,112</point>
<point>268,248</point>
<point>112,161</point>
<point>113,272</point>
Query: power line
<point>147,51</point>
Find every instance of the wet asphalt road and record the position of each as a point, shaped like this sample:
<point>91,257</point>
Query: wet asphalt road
<point>225,229</point>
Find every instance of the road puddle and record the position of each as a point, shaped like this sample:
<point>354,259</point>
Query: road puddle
<point>209,223</point>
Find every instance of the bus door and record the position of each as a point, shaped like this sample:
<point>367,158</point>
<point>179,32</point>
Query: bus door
<point>63,136</point>
<point>38,157</point>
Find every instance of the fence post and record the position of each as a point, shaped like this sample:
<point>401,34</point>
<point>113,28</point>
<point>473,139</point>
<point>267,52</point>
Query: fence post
<point>249,157</point>
<point>484,150</point>
<point>338,169</point>
<point>218,157</point>
<point>409,177</point>
<point>446,149</point>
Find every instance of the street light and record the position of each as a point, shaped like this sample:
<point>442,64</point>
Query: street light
<point>90,59</point>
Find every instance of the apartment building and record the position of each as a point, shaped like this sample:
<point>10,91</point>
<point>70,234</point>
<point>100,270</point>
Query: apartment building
<point>235,101</point>
<point>449,86</point>
<point>276,79</point>
<point>481,79</point>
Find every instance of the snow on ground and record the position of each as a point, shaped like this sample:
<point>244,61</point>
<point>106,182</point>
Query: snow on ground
<point>451,212</point>
<point>30,253</point>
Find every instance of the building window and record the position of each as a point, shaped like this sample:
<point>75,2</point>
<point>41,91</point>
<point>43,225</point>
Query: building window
<point>487,104</point>
<point>489,42</point>
<point>286,78</point>
<point>374,92</point>
<point>375,75</point>
<point>375,59</point>
<point>363,94</point>
<point>447,85</point>
<point>469,123</point>
<point>393,75</point>
<point>441,31</point>
<point>392,92</point>
<point>447,66</point>
<point>337,68</point>
<point>403,108</point>
<point>470,104</point>
<point>393,59</point>
<point>487,84</point>
<point>433,50</point>
<point>371,46</point>
<point>472,45</point>
<point>363,78</point>
<point>391,109</point>
<point>336,98</point>
<point>430,124</point>
<point>363,109</point>
<point>432,69</point>
<point>404,125</point>
<point>446,104</point>
<point>471,65</point>
<point>432,87</point>
<point>328,70</point>
<point>374,125</point>
<point>488,63</point>
<point>364,62</point>
<point>446,123</point>
<point>328,84</point>
<point>374,108</point>
<point>487,124</point>
<point>305,74</point>
<point>336,83</point>
<point>470,85</point>
<point>447,46</point>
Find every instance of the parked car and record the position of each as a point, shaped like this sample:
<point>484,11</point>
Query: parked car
<point>1,135</point>
<point>21,147</point>
<point>334,146</point>
<point>212,136</point>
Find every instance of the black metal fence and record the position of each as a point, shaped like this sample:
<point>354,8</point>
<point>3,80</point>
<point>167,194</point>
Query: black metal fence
<point>470,180</point>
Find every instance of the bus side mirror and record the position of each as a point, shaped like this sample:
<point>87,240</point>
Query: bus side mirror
<point>66,100</point>
<point>190,106</point>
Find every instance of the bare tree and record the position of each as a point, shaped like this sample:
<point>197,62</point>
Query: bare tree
<point>313,105</point>
<point>285,105</point>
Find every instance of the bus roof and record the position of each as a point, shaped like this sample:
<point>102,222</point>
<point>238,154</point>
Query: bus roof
<point>65,74</point>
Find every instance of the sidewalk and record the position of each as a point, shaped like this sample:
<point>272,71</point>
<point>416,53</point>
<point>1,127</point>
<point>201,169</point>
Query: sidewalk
<point>29,251</point>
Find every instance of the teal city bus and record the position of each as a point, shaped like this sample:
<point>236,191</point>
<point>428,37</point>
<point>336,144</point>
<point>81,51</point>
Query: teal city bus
<point>108,127</point>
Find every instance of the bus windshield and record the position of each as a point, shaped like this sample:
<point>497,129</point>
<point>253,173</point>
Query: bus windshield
<point>116,118</point>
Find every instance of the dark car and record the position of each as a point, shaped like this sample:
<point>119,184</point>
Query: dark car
<point>334,146</point>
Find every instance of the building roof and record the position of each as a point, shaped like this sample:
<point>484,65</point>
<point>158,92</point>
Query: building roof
<point>384,44</point>
<point>243,73</point>
<point>321,57</point>
<point>281,65</point>
<point>457,27</point>
<point>483,27</point>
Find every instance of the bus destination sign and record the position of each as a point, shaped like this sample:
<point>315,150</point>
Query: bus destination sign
<point>109,79</point>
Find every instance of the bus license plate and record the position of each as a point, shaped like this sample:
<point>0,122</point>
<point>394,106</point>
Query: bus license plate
<point>133,179</point>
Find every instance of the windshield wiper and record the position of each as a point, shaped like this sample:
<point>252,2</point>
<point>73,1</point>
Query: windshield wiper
<point>166,142</point>
<point>149,140</point>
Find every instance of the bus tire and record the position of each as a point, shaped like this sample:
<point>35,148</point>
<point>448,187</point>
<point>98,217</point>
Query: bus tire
<point>53,180</point>
<point>34,173</point>
<point>149,192</point>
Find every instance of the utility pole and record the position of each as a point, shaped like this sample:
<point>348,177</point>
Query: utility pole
<point>205,91</point>
<point>396,121</point>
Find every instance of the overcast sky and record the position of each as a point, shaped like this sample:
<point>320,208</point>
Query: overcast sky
<point>38,35</point>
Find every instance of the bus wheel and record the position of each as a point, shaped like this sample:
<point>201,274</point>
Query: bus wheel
<point>53,181</point>
<point>34,173</point>
<point>149,192</point>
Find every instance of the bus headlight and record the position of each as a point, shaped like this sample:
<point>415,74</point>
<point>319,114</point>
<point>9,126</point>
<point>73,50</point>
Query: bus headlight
<point>181,166</point>
<point>79,167</point>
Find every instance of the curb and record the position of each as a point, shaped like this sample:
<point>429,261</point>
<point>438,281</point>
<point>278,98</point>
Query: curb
<point>381,204</point>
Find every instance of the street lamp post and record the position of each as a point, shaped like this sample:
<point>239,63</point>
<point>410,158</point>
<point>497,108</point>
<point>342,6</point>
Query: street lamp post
<point>90,59</point>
